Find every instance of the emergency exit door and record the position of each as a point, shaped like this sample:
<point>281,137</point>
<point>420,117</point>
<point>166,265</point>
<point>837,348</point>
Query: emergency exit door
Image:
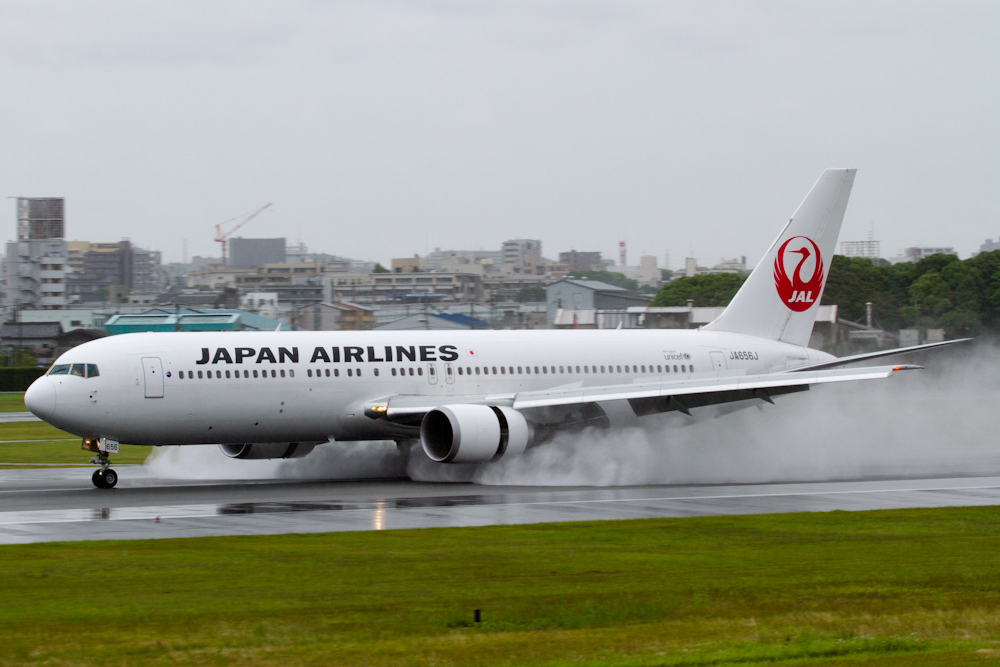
<point>152,372</point>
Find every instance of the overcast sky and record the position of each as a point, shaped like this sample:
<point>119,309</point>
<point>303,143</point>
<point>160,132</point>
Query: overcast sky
<point>383,129</point>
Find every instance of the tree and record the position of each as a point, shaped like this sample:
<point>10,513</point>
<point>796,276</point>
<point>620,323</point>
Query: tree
<point>379,268</point>
<point>715,289</point>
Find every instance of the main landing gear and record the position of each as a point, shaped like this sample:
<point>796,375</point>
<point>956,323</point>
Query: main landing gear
<point>105,478</point>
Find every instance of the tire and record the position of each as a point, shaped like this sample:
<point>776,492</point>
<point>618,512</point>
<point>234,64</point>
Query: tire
<point>98,479</point>
<point>110,478</point>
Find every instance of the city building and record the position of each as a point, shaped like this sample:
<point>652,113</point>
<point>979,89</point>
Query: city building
<point>247,253</point>
<point>572,294</point>
<point>34,266</point>
<point>582,261</point>
<point>918,253</point>
<point>337,316</point>
<point>868,249</point>
<point>646,273</point>
<point>186,319</point>
<point>440,321</point>
<point>990,245</point>
<point>522,256</point>
<point>96,266</point>
<point>432,261</point>
<point>407,264</point>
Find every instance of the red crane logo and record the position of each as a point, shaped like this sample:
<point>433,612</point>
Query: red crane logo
<point>797,293</point>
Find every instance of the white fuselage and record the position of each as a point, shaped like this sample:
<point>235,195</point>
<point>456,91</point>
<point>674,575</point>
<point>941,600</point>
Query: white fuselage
<point>232,387</point>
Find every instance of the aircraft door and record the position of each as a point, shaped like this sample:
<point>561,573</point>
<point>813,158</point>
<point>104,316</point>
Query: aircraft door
<point>718,361</point>
<point>152,372</point>
<point>449,373</point>
<point>432,375</point>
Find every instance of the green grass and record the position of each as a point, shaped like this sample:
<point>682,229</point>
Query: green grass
<point>875,588</point>
<point>36,442</point>
<point>12,402</point>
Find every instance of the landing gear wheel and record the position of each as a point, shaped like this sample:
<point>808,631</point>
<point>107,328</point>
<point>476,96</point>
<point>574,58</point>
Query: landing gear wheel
<point>98,479</point>
<point>110,478</point>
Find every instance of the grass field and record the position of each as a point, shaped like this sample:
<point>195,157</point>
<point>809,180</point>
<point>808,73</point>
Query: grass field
<point>37,442</point>
<point>873,588</point>
<point>12,402</point>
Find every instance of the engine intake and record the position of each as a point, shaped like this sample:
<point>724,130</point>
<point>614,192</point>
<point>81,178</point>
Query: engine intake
<point>473,433</point>
<point>268,450</point>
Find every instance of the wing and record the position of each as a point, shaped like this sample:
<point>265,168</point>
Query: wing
<point>646,398</point>
<point>873,355</point>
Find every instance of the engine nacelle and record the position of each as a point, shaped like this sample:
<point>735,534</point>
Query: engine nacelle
<point>473,433</point>
<point>268,450</point>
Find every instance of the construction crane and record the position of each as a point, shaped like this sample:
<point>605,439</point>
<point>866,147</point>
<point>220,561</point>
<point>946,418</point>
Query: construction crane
<point>222,237</point>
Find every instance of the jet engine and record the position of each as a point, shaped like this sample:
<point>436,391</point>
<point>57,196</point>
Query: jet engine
<point>268,450</point>
<point>473,433</point>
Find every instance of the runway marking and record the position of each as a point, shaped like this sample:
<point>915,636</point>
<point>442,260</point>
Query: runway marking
<point>233,509</point>
<point>9,442</point>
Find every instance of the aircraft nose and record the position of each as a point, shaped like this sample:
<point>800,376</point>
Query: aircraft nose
<point>41,398</point>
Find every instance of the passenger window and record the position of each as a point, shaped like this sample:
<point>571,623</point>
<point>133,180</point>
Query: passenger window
<point>619,369</point>
<point>519,369</point>
<point>350,373</point>
<point>503,371</point>
<point>675,368</point>
<point>411,371</point>
<point>577,369</point>
<point>635,369</point>
<point>593,369</point>
<point>690,369</point>
<point>448,370</point>
<point>218,374</point>
<point>683,368</point>
<point>477,370</point>
<point>180,375</point>
<point>420,371</point>
<point>536,370</point>
<point>459,370</point>
<point>309,372</point>
<point>282,372</point>
<point>291,373</point>
<point>659,368</point>
<point>643,368</point>
<point>77,369</point>
<point>61,369</point>
<point>92,371</point>
<point>468,370</point>
<point>562,370</point>
<point>246,374</point>
<point>602,369</point>
<point>336,372</point>
<point>430,370</point>
<point>393,372</point>
<point>199,375</point>
<point>357,371</point>
<point>494,370</point>
<point>227,374</point>
<point>586,369</point>
<point>254,373</point>
<point>511,370</point>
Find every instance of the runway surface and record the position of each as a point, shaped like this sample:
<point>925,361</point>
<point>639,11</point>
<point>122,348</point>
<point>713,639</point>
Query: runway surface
<point>10,417</point>
<point>61,504</point>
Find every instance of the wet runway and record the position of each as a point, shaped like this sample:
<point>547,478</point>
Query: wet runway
<point>61,504</point>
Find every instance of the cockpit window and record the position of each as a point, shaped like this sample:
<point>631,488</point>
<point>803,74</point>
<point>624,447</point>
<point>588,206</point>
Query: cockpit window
<point>77,369</point>
<point>61,369</point>
<point>92,371</point>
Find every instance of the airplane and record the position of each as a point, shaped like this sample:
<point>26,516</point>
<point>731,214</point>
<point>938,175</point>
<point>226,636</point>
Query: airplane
<point>466,396</point>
